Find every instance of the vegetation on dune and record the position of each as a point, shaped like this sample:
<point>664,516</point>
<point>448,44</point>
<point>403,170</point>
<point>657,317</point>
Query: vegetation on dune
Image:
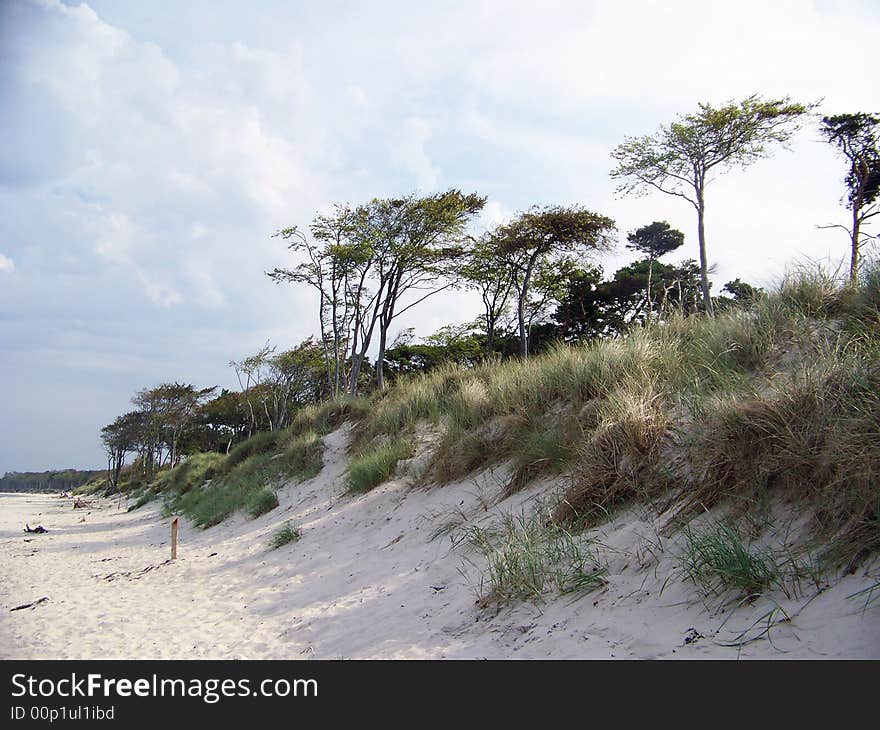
<point>524,559</point>
<point>377,464</point>
<point>244,478</point>
<point>285,535</point>
<point>637,386</point>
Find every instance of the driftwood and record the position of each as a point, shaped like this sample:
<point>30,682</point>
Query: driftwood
<point>30,605</point>
<point>39,529</point>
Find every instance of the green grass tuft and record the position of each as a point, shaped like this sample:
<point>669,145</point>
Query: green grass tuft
<point>261,501</point>
<point>286,534</point>
<point>719,559</point>
<point>524,557</point>
<point>377,465</point>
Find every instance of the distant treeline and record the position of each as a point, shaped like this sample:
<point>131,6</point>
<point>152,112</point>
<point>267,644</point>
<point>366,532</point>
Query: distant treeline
<point>46,481</point>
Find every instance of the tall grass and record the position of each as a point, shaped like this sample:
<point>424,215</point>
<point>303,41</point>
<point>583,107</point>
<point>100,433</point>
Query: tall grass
<point>778,397</point>
<point>525,557</point>
<point>719,559</point>
<point>244,479</point>
<point>377,464</point>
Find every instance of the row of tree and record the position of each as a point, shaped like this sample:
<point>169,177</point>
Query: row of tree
<point>172,420</point>
<point>373,262</point>
<point>537,276</point>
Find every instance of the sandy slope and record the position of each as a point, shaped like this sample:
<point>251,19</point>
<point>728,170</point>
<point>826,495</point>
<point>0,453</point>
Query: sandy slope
<point>367,580</point>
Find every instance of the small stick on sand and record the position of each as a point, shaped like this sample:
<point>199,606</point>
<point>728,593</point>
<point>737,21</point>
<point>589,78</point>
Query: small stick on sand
<point>30,605</point>
<point>174,524</point>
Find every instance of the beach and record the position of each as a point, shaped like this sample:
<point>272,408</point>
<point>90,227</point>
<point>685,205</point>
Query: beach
<point>371,578</point>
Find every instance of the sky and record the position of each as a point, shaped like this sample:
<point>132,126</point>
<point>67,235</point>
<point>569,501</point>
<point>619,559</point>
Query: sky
<point>151,149</point>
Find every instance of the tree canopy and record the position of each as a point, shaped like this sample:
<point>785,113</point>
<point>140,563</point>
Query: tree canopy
<point>679,157</point>
<point>856,137</point>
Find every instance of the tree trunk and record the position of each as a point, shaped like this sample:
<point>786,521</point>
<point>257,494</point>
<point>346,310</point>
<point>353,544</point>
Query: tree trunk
<point>854,253</point>
<point>383,335</point>
<point>704,266</point>
<point>521,305</point>
<point>648,295</point>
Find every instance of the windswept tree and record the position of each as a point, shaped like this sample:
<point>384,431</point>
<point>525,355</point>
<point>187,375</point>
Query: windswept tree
<point>654,240</point>
<point>484,270</point>
<point>679,158</point>
<point>119,439</point>
<point>535,240</point>
<point>415,243</point>
<point>857,138</point>
<point>337,265</point>
<point>169,408</point>
<point>373,263</point>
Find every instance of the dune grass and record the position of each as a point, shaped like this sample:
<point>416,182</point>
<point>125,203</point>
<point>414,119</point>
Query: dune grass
<point>780,397</point>
<point>243,479</point>
<point>525,557</point>
<point>719,559</point>
<point>376,464</point>
<point>142,499</point>
<point>261,501</point>
<point>285,535</point>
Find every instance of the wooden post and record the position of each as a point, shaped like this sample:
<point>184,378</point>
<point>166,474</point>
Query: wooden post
<point>174,538</point>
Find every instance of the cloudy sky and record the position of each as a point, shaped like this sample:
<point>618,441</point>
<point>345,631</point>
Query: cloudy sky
<point>150,149</point>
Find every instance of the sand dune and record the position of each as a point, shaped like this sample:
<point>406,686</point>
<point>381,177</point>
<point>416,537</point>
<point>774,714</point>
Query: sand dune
<point>368,581</point>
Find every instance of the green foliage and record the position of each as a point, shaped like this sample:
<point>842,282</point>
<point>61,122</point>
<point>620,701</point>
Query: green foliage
<point>524,557</point>
<point>143,499</point>
<point>244,484</point>
<point>655,239</point>
<point>285,535</point>
<point>49,481</point>
<point>719,559</point>
<point>377,464</point>
<point>261,501</point>
<point>264,442</point>
<point>191,473</point>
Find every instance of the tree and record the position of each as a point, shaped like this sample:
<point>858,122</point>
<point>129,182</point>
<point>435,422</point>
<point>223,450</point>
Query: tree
<point>533,240</point>
<point>220,422</point>
<point>119,438</point>
<point>414,242</point>
<point>679,157</point>
<point>856,138</point>
<point>170,408</point>
<point>485,271</point>
<point>337,266</point>
<point>654,240</point>
<point>743,292</point>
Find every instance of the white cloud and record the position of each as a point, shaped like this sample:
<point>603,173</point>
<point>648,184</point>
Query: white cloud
<point>149,163</point>
<point>408,152</point>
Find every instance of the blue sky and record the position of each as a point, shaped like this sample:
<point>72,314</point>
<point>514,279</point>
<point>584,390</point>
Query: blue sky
<point>152,148</point>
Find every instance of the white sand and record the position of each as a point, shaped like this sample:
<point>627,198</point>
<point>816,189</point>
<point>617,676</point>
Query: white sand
<point>367,581</point>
